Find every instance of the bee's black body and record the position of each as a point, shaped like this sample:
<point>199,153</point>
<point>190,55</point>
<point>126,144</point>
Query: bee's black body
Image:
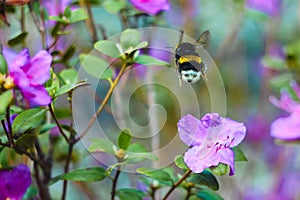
<point>188,60</point>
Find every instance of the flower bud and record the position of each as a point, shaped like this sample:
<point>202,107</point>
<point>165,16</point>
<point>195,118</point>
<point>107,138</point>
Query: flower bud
<point>120,153</point>
<point>9,83</point>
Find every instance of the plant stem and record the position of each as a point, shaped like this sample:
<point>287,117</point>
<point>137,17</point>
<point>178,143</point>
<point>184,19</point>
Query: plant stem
<point>67,165</point>
<point>57,123</point>
<point>104,102</point>
<point>71,146</point>
<point>177,184</point>
<point>91,21</point>
<point>114,186</point>
<point>9,131</point>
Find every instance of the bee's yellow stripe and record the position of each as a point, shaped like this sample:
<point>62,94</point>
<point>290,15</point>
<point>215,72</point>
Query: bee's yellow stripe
<point>189,58</point>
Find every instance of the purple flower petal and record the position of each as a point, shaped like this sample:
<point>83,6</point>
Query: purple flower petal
<point>20,60</point>
<point>227,157</point>
<point>287,128</point>
<point>151,7</point>
<point>39,71</point>
<point>191,130</point>
<point>198,159</point>
<point>15,182</point>
<point>29,75</point>
<point>37,96</point>
<point>211,139</point>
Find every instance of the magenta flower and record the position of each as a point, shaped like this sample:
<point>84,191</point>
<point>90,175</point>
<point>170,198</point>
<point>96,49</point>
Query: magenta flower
<point>211,139</point>
<point>55,7</point>
<point>151,7</point>
<point>29,75</point>
<point>14,182</point>
<point>287,128</point>
<point>269,7</point>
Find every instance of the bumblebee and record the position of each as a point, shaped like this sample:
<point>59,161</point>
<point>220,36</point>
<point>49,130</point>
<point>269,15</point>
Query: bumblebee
<point>190,66</point>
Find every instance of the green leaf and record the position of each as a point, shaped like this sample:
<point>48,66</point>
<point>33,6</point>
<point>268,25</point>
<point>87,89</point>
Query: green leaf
<point>90,174</point>
<point>17,38</point>
<point>274,63</point>
<point>69,76</point>
<point>26,141</point>
<point>95,66</point>
<point>206,194</point>
<point>129,39</point>
<point>149,60</point>
<point>281,81</point>
<point>58,19</point>
<point>108,48</point>
<point>31,193</point>
<point>28,119</point>
<point>155,174</point>
<point>78,15</point>
<point>124,139</point>
<point>52,84</point>
<point>137,153</point>
<point>5,99</point>
<point>66,88</point>
<point>136,148</point>
<point>101,145</point>
<point>130,193</point>
<point>180,162</point>
<point>141,45</point>
<point>70,50</point>
<point>220,169</point>
<point>205,178</point>
<point>3,65</point>
<point>256,15</point>
<point>67,12</point>
<point>114,6</point>
<point>140,157</point>
<point>239,154</point>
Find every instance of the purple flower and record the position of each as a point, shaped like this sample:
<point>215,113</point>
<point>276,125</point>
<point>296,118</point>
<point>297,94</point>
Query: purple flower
<point>55,7</point>
<point>151,7</point>
<point>14,182</point>
<point>29,75</point>
<point>269,7</point>
<point>287,128</point>
<point>211,139</point>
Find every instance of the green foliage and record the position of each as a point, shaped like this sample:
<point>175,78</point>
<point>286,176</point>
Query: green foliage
<point>180,162</point>
<point>206,194</point>
<point>101,145</point>
<point>28,119</point>
<point>130,193</point>
<point>159,175</point>
<point>90,174</point>
<point>70,17</point>
<point>5,99</point>
<point>108,48</point>
<point>149,60</point>
<point>26,141</point>
<point>205,178</point>
<point>78,15</point>
<point>3,65</point>
<point>239,154</point>
<point>130,38</point>
<point>52,85</point>
<point>95,66</point>
<point>124,139</point>
<point>114,6</point>
<point>17,38</point>
<point>220,169</point>
<point>69,76</point>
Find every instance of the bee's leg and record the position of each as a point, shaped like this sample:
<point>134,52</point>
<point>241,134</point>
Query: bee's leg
<point>179,75</point>
<point>203,74</point>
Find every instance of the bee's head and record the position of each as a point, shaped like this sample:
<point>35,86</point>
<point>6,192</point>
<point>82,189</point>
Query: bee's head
<point>185,48</point>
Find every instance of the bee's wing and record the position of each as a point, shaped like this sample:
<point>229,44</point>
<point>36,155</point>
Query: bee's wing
<point>180,38</point>
<point>203,39</point>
